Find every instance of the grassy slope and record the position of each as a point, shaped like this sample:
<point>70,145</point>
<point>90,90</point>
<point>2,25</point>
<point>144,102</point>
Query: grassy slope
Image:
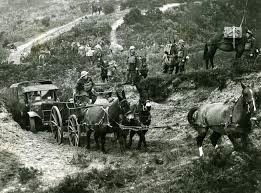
<point>21,22</point>
<point>169,164</point>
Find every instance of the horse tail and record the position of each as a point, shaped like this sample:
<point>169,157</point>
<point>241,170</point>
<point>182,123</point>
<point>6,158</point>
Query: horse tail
<point>205,56</point>
<point>190,117</point>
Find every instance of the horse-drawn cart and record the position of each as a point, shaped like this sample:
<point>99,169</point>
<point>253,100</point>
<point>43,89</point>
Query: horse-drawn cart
<point>67,117</point>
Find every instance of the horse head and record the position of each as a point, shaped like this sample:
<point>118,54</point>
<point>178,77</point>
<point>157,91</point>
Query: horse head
<point>123,103</point>
<point>248,95</point>
<point>146,105</point>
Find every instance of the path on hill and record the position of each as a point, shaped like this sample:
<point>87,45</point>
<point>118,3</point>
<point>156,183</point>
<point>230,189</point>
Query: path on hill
<point>120,21</point>
<point>25,48</point>
<point>46,36</point>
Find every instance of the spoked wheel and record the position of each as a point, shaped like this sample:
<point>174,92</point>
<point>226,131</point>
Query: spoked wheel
<point>56,124</point>
<point>74,131</point>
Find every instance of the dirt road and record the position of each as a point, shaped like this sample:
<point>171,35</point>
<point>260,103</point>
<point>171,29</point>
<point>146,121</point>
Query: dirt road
<point>49,35</point>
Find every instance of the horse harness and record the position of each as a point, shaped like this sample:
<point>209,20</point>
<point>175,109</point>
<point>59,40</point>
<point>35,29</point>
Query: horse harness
<point>230,123</point>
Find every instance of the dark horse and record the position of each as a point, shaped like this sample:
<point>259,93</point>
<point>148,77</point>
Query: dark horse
<point>103,121</point>
<point>96,8</point>
<point>224,119</point>
<point>219,42</point>
<point>142,117</point>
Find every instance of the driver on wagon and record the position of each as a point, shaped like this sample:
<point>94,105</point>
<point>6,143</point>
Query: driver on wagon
<point>84,89</point>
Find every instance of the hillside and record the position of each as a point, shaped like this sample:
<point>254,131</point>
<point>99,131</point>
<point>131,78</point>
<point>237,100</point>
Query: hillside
<point>35,163</point>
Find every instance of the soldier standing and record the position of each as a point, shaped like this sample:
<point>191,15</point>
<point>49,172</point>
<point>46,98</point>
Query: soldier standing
<point>132,63</point>
<point>182,57</point>
<point>143,67</point>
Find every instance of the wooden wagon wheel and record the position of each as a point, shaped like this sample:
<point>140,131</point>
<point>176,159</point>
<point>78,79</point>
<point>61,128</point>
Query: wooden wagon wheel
<point>56,124</point>
<point>74,131</point>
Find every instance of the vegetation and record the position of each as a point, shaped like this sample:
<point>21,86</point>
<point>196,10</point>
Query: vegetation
<point>25,174</point>
<point>108,7</point>
<point>96,181</point>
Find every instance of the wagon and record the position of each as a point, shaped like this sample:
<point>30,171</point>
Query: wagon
<point>67,117</point>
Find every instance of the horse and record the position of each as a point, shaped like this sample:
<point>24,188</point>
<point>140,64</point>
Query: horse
<point>96,8</point>
<point>142,117</point>
<point>221,43</point>
<point>224,119</point>
<point>103,121</point>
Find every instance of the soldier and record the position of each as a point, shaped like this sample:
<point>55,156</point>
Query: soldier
<point>143,67</point>
<point>250,42</point>
<point>104,69</point>
<point>84,90</point>
<point>170,57</point>
<point>133,66</point>
<point>182,57</point>
<point>166,61</point>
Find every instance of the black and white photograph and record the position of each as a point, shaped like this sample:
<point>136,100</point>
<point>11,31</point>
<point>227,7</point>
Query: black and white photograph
<point>130,96</point>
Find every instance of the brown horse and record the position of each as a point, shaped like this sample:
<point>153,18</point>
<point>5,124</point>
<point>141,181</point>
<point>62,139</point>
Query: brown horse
<point>224,119</point>
<point>218,42</point>
<point>103,121</point>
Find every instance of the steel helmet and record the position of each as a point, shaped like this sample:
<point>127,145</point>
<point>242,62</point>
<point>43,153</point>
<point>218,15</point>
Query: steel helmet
<point>132,48</point>
<point>249,32</point>
<point>84,73</point>
<point>181,41</point>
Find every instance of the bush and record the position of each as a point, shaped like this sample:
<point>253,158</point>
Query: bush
<point>96,181</point>
<point>108,8</point>
<point>25,174</point>
<point>134,16</point>
<point>3,54</point>
<point>46,21</point>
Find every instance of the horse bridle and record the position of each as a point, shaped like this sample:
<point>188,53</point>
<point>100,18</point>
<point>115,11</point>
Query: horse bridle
<point>248,103</point>
<point>122,109</point>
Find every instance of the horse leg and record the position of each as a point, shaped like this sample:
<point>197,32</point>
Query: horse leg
<point>89,132</point>
<point>214,139</point>
<point>234,142</point>
<point>96,137</point>
<point>103,139</point>
<point>144,139</point>
<point>200,138</point>
<point>212,62</point>
<point>207,63</point>
<point>244,141</point>
<point>141,136</point>
<point>132,133</point>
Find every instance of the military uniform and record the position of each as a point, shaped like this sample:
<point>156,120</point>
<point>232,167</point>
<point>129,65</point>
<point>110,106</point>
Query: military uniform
<point>181,59</point>
<point>104,69</point>
<point>133,65</point>
<point>166,62</point>
<point>143,68</point>
<point>84,91</point>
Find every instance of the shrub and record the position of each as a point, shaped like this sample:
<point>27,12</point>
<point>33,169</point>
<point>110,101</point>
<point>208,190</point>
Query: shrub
<point>46,21</point>
<point>108,8</point>
<point>96,181</point>
<point>25,174</point>
<point>134,16</point>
